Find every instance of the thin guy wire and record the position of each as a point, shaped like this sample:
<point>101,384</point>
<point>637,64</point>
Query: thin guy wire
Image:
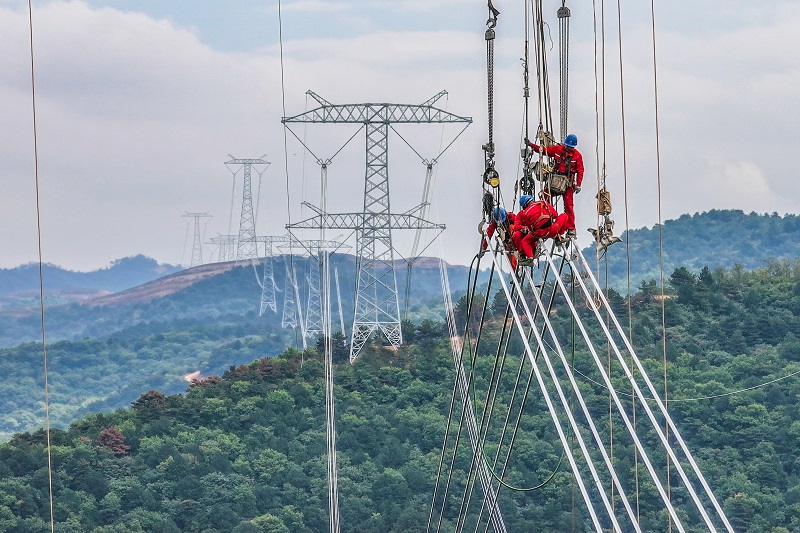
<point>41,272</point>
<point>660,225</point>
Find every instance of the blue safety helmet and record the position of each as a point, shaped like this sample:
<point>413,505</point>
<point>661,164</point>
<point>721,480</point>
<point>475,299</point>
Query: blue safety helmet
<point>571,140</point>
<point>499,214</point>
<point>524,200</point>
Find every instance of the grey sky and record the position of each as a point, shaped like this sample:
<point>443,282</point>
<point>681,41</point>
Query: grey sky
<point>139,103</point>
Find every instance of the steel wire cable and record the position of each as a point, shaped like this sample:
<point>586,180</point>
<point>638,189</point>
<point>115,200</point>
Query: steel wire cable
<point>516,425</point>
<point>660,225</point>
<point>463,386</point>
<point>477,460</point>
<point>41,274</point>
<point>661,406</point>
<point>563,68</point>
<point>620,407</point>
<point>552,410</point>
<point>455,345</point>
<point>695,398</point>
<point>586,413</point>
<point>565,404</point>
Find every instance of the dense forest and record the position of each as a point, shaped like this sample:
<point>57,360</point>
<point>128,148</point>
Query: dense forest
<point>713,239</point>
<point>245,451</point>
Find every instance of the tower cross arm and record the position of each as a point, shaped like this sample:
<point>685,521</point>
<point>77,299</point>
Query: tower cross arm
<point>377,113</point>
<point>355,221</point>
<point>240,161</point>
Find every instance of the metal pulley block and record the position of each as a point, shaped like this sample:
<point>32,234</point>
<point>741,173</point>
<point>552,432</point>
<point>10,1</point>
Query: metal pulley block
<point>526,184</point>
<point>491,177</point>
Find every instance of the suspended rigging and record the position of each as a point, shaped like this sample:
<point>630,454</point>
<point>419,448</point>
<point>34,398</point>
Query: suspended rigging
<point>531,290</point>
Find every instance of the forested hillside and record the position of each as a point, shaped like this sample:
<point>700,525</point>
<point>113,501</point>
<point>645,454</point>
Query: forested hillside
<point>714,239</point>
<point>245,452</point>
<point>113,352</point>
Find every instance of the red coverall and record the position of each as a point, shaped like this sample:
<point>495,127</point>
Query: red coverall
<point>574,174</point>
<point>511,221</point>
<point>542,222</point>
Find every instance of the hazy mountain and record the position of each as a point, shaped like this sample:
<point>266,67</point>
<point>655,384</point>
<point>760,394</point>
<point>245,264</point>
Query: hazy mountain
<point>119,275</point>
<point>201,295</point>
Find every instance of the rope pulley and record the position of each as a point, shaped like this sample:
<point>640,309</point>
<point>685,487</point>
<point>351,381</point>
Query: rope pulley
<point>604,233</point>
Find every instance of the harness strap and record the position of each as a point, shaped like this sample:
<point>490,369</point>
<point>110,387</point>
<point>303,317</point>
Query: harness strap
<point>544,220</point>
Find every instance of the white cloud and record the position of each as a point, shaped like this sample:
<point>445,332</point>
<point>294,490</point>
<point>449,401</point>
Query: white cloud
<point>136,116</point>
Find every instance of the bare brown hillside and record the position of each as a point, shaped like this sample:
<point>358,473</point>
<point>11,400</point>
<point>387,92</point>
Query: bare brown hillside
<point>162,286</point>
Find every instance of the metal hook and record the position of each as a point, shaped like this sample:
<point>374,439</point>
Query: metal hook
<point>493,14</point>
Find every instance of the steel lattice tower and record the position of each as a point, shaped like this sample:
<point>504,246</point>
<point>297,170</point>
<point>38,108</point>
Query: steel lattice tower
<point>226,245</point>
<point>377,306</point>
<point>314,320</point>
<point>197,245</point>
<point>247,247</point>
<point>267,282</point>
<point>289,317</point>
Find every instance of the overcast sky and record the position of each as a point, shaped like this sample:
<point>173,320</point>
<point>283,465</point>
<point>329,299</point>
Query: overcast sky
<point>139,103</point>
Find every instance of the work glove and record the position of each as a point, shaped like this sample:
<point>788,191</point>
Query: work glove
<point>576,189</point>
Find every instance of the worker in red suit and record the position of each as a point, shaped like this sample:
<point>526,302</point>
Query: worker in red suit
<point>505,223</point>
<point>537,220</point>
<point>569,162</point>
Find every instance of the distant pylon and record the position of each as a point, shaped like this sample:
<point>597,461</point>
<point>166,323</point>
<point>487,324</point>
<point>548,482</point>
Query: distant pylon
<point>267,282</point>
<point>289,318</point>
<point>314,320</point>
<point>247,248</point>
<point>197,244</point>
<point>226,247</point>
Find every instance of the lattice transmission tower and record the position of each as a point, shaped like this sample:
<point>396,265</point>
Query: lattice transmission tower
<point>267,281</point>
<point>247,247</point>
<point>376,306</point>
<point>197,244</point>
<point>226,247</point>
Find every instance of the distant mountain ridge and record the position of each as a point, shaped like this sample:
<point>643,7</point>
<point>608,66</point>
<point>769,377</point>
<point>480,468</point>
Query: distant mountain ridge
<point>119,275</point>
<point>713,239</point>
<point>716,239</point>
